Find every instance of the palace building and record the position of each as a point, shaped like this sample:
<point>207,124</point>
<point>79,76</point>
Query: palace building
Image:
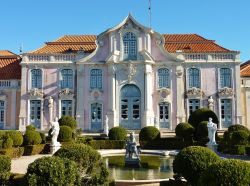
<point>132,74</point>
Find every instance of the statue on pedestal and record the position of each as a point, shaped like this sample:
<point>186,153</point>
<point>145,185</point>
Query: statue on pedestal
<point>212,128</point>
<point>106,126</point>
<point>55,132</point>
<point>210,103</point>
<point>50,105</point>
<point>132,154</point>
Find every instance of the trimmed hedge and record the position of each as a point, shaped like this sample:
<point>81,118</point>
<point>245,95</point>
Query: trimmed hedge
<point>43,137</point>
<point>247,150</point>
<point>117,133</point>
<point>184,131</point>
<point>107,144</point>
<point>30,127</point>
<point>13,152</point>
<point>202,114</point>
<point>226,172</point>
<point>5,167</point>
<point>65,134</point>
<point>149,133</point>
<point>237,127</point>
<point>68,121</point>
<point>32,137</point>
<point>52,171</point>
<point>239,137</point>
<point>192,161</point>
<point>33,149</point>
<point>238,149</point>
<point>16,136</point>
<point>7,142</point>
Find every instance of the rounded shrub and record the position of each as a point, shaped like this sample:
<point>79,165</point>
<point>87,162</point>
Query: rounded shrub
<point>201,133</point>
<point>30,127</point>
<point>239,137</point>
<point>7,142</point>
<point>202,114</point>
<point>237,127</point>
<point>149,133</point>
<point>52,171</point>
<point>68,121</point>
<point>226,172</point>
<point>184,130</point>
<point>5,167</point>
<point>16,136</point>
<point>117,133</point>
<point>192,161</point>
<point>43,137</point>
<point>32,137</point>
<point>65,134</point>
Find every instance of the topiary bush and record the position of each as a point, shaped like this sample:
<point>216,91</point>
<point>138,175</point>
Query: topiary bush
<point>52,171</point>
<point>201,133</point>
<point>68,121</point>
<point>202,114</point>
<point>65,134</point>
<point>5,167</point>
<point>192,161</point>
<point>7,142</point>
<point>117,133</point>
<point>184,131</point>
<point>43,137</point>
<point>30,127</point>
<point>237,127</point>
<point>226,172</point>
<point>16,136</point>
<point>13,152</point>
<point>149,133</point>
<point>239,137</point>
<point>31,137</point>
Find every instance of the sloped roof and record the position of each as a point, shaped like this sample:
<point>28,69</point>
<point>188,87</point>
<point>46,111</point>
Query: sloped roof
<point>188,43</point>
<point>245,69</point>
<point>9,65</point>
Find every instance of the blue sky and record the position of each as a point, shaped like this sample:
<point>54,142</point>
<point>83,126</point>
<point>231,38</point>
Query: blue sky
<point>32,23</point>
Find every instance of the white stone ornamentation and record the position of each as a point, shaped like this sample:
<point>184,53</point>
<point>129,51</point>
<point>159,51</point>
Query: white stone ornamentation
<point>50,105</point>
<point>106,126</point>
<point>212,128</point>
<point>195,92</point>
<point>36,92</point>
<point>226,92</point>
<point>55,145</point>
<point>66,93</point>
<point>131,71</point>
<point>210,103</point>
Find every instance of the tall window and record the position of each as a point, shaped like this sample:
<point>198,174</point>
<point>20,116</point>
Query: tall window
<point>2,114</point>
<point>194,78</point>
<point>163,78</point>
<point>164,115</point>
<point>226,112</point>
<point>36,78</point>
<point>194,104</point>
<point>67,78</point>
<point>96,79</point>
<point>225,77</point>
<point>35,113</point>
<point>130,46</point>
<point>66,109</point>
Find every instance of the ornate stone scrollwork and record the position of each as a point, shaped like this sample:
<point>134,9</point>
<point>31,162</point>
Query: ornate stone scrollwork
<point>195,92</point>
<point>131,71</point>
<point>159,42</point>
<point>66,93</point>
<point>101,43</point>
<point>179,73</point>
<point>226,92</point>
<point>36,92</point>
<point>163,94</point>
<point>96,93</point>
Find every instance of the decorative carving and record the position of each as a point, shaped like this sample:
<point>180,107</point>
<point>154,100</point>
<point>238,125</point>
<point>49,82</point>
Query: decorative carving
<point>179,73</point>
<point>195,92</point>
<point>164,93</point>
<point>101,43</point>
<point>96,93</point>
<point>131,71</point>
<point>66,93</point>
<point>36,92</point>
<point>227,92</point>
<point>210,103</point>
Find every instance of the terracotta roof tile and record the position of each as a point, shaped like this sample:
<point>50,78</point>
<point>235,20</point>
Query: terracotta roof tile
<point>189,43</point>
<point>245,69</point>
<point>9,65</point>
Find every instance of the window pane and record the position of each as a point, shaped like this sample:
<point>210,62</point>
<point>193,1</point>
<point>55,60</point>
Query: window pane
<point>130,46</point>
<point>66,107</point>
<point>194,77</point>
<point>96,78</point>
<point>36,78</point>
<point>163,78</point>
<point>225,77</point>
<point>67,78</point>
<point>194,104</point>
<point>226,112</point>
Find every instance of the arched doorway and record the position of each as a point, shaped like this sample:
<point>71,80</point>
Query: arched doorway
<point>130,110</point>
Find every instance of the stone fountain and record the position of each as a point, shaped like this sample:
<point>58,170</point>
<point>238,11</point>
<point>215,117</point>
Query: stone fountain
<point>132,158</point>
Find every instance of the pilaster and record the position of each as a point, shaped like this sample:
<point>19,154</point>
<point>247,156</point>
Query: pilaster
<point>238,105</point>
<point>13,108</point>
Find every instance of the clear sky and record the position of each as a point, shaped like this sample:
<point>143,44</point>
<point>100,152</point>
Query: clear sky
<point>33,22</point>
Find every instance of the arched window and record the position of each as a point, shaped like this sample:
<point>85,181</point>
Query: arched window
<point>130,46</point>
<point>96,79</point>
<point>2,114</point>
<point>225,77</point>
<point>163,78</point>
<point>36,78</point>
<point>194,78</point>
<point>67,78</point>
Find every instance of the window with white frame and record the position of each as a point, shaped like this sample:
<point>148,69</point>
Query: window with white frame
<point>96,79</point>
<point>163,78</point>
<point>35,113</point>
<point>225,77</point>
<point>36,78</point>
<point>226,113</point>
<point>2,114</point>
<point>66,108</point>
<point>194,104</point>
<point>193,77</point>
<point>129,46</point>
<point>164,115</point>
<point>67,78</point>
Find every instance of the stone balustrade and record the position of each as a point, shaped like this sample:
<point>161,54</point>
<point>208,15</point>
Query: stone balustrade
<point>211,57</point>
<point>49,58</point>
<point>9,84</point>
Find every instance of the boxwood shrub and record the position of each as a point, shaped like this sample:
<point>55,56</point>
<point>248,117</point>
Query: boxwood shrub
<point>13,152</point>
<point>149,133</point>
<point>184,131</point>
<point>65,134</point>
<point>239,137</point>
<point>226,172</point>
<point>237,127</point>
<point>7,142</point>
<point>238,149</point>
<point>68,121</point>
<point>16,136</point>
<point>117,133</point>
<point>52,171</point>
<point>107,144</point>
<point>31,137</point>
<point>33,149</point>
<point>5,167</point>
<point>247,150</point>
<point>192,161</point>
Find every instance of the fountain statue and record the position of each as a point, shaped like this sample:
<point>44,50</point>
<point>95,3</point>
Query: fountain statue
<point>132,158</point>
<point>212,128</point>
<point>55,145</point>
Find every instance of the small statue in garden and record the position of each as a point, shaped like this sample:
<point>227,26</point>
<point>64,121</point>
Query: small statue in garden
<point>132,153</point>
<point>55,132</point>
<point>212,128</point>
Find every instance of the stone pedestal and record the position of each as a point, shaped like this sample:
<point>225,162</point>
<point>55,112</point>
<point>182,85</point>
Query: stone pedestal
<point>54,148</point>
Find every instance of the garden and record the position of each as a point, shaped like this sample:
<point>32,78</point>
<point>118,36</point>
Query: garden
<point>78,161</point>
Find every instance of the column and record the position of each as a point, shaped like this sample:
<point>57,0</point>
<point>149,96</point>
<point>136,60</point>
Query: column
<point>237,89</point>
<point>80,97</point>
<point>13,108</point>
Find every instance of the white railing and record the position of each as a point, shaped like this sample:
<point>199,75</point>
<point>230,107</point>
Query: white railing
<point>65,57</point>
<point>38,58</point>
<point>8,84</point>
<point>211,57</point>
<point>222,57</point>
<point>49,58</point>
<point>196,57</point>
